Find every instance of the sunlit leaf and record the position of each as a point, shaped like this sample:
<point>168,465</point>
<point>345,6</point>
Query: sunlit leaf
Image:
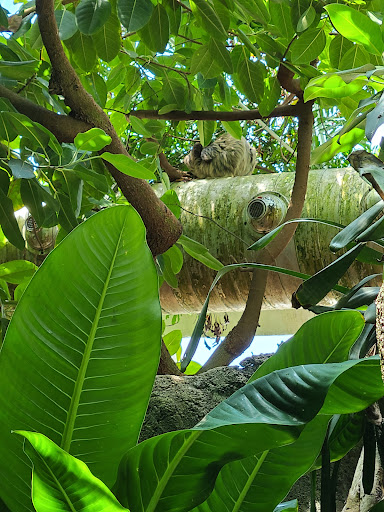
<point>62,482</point>
<point>172,341</point>
<point>356,26</point>
<point>126,165</point>
<point>337,49</point>
<point>16,271</point>
<point>308,46</point>
<point>92,140</point>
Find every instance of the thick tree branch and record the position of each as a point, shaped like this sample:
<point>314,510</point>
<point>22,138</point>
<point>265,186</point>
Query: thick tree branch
<point>167,365</point>
<point>241,336</point>
<point>163,229</point>
<point>64,128</point>
<point>236,115</point>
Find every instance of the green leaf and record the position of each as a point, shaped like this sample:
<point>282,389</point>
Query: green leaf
<point>172,341</point>
<point>172,201</point>
<point>373,232</point>
<point>338,144</point>
<point>20,289</point>
<point>250,76</point>
<point>7,131</point>
<point>21,168</point>
<point>149,148</point>
<point>168,108</point>
<point>337,49</point>
<point>272,92</point>
<point>176,258</point>
<point>8,222</point>
<point>332,86</point>
<point>33,196</point>
<point>266,239</point>
<point>83,50</point>
<point>73,358</point>
<point>346,431</point>
<point>19,70</point>
<point>268,45</point>
<point>306,19</point>
<point>126,165</point>
<point>16,271</point>
<point>155,34</point>
<point>287,506</point>
<point>208,19</point>
<point>91,15</point>
<point>205,62</point>
<point>223,59</point>
<point>199,252</point>
<point>139,127</point>
<point>316,287</point>
<point>97,180</point>
<point>332,336</point>
<point>167,272</point>
<point>356,26</point>
<point>62,482</point>
<point>256,8</point>
<point>308,46</point>
<point>238,484</point>
<point>199,326</point>
<point>159,469</point>
<point>173,9</point>
<point>95,85</point>
<point>107,41</point>
<point>3,17</point>
<point>66,23</point>
<point>27,128</point>
<point>92,140</point>
<point>4,295</point>
<point>206,130</point>
<point>356,227</point>
<point>354,57</point>
<point>281,18</point>
<point>134,15</point>
<point>174,91</point>
<point>234,128</point>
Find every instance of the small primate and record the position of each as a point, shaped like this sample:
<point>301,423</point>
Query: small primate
<point>225,156</point>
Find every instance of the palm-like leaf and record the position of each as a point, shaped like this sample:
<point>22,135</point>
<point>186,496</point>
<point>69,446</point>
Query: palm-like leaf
<point>177,471</point>
<point>62,483</point>
<point>82,350</point>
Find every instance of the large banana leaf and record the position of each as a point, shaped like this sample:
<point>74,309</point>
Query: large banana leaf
<point>177,471</point>
<point>63,483</point>
<point>81,351</point>
<point>261,481</point>
<point>326,338</point>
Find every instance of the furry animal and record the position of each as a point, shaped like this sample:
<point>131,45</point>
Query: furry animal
<point>225,156</point>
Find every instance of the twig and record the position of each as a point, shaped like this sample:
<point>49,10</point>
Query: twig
<point>214,222</point>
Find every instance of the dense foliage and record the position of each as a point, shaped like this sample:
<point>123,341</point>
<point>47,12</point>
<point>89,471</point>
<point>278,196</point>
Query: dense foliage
<point>79,360</point>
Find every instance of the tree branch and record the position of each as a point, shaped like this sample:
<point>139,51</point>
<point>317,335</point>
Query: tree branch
<point>241,336</point>
<point>163,229</point>
<point>235,115</point>
<point>65,128</point>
